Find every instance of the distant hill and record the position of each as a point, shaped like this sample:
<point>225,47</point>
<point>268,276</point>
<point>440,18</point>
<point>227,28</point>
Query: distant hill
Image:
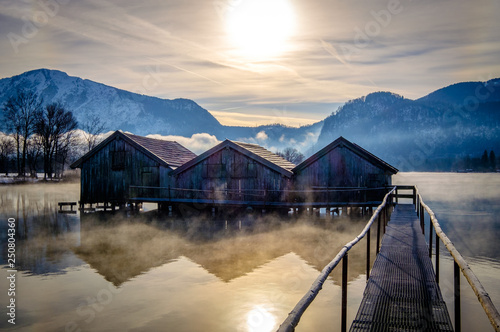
<point>120,109</point>
<point>461,94</point>
<point>144,115</point>
<point>434,132</point>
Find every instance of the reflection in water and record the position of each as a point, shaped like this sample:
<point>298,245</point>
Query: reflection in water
<point>467,207</point>
<point>259,319</point>
<point>43,235</point>
<point>120,250</point>
<point>108,272</point>
<point>147,273</point>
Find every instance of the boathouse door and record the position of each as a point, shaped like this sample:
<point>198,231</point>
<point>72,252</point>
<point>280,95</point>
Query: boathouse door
<point>150,177</point>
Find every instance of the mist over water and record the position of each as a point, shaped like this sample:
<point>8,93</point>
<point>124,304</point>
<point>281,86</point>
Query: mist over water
<point>147,272</point>
<point>101,271</point>
<point>467,207</point>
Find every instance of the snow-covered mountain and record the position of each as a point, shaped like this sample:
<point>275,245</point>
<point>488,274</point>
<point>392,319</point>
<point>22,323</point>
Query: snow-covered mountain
<point>432,133</point>
<point>119,109</point>
<point>424,134</point>
<point>145,115</point>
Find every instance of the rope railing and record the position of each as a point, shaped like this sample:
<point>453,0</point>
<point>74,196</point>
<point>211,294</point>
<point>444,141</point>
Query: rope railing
<point>459,265</point>
<point>294,316</point>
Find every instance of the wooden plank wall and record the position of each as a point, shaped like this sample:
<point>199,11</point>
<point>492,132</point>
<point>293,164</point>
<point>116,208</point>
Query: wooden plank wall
<point>341,168</point>
<point>107,175</point>
<point>230,169</point>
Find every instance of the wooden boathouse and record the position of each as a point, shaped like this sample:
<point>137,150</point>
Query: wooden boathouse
<point>344,172</point>
<point>123,160</point>
<point>234,172</point>
<point>233,175</point>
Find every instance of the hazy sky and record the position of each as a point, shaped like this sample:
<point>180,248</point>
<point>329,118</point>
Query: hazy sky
<point>257,61</point>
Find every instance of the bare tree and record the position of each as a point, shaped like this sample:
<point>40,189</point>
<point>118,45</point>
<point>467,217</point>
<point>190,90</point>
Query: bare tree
<point>292,155</point>
<point>20,114</point>
<point>92,128</point>
<point>64,148</point>
<point>6,150</point>
<point>33,153</point>
<point>55,126</point>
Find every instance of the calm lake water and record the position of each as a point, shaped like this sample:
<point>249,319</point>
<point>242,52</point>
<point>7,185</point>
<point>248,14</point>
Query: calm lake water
<point>107,273</point>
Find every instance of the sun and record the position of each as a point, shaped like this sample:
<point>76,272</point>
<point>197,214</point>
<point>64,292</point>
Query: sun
<point>260,29</point>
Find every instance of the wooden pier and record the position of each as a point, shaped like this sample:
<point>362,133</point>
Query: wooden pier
<point>402,293</point>
<point>70,204</point>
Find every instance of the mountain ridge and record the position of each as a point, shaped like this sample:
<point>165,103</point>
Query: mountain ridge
<point>448,123</point>
<point>144,115</point>
<point>431,133</point>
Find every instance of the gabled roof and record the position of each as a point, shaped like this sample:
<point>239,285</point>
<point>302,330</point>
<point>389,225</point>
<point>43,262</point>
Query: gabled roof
<point>167,153</point>
<point>342,142</point>
<point>254,151</point>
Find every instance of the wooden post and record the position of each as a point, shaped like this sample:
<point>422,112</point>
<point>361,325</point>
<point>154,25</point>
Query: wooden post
<point>456,274</point>
<point>422,219</point>
<point>368,255</point>
<point>385,219</point>
<point>430,240</point>
<point>327,201</point>
<point>378,235</point>
<point>437,258</point>
<point>344,293</point>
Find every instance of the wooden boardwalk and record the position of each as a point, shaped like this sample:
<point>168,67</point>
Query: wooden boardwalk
<point>402,293</point>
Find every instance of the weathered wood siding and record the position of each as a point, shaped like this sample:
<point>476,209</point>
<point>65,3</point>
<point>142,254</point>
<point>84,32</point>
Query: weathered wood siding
<point>342,168</point>
<point>231,170</point>
<point>107,175</point>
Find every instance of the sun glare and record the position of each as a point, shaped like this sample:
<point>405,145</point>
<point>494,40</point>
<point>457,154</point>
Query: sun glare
<point>260,28</point>
<point>260,320</point>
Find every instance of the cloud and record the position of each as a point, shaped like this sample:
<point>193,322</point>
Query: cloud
<point>198,143</point>
<point>261,136</point>
<point>117,43</point>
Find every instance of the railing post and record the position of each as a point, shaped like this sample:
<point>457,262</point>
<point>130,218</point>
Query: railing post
<point>422,219</point>
<point>327,199</point>
<point>414,196</point>
<point>458,319</point>
<point>344,293</point>
<point>437,258</point>
<point>397,195</point>
<point>430,239</point>
<point>417,207</point>
<point>368,255</point>
<point>384,211</point>
<point>378,235</point>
